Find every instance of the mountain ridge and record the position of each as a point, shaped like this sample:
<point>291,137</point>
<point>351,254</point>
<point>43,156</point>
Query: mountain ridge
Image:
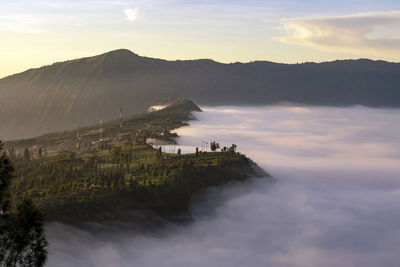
<point>129,52</point>
<point>74,93</point>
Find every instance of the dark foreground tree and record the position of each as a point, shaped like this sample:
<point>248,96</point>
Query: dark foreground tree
<point>6,174</point>
<point>22,240</point>
<point>214,146</point>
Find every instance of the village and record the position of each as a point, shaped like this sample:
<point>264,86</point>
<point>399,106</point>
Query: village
<point>86,141</point>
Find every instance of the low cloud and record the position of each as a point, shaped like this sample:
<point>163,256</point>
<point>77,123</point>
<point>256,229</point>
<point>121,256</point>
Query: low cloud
<point>336,201</point>
<point>375,33</point>
<point>131,14</point>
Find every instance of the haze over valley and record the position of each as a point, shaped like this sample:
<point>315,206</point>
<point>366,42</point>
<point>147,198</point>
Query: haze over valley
<point>335,201</point>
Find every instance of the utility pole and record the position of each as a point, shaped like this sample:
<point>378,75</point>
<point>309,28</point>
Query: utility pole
<point>101,128</point>
<point>77,140</point>
<point>120,118</point>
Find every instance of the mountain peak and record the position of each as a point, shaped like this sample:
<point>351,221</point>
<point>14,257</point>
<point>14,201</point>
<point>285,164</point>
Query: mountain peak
<point>120,52</point>
<point>119,61</point>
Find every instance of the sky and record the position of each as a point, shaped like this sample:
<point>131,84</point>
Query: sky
<point>37,33</point>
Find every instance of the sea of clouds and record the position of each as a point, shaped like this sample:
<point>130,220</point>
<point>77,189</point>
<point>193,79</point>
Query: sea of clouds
<point>336,201</point>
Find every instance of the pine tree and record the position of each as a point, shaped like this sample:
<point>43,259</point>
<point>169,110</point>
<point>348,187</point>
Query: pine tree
<point>6,174</point>
<point>22,240</point>
<point>40,152</point>
<point>27,154</point>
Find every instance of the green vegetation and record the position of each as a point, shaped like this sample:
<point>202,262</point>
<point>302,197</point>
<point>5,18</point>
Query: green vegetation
<point>140,128</point>
<point>102,174</point>
<point>22,241</point>
<point>124,178</point>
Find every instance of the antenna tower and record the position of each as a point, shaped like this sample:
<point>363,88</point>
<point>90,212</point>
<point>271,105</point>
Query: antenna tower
<point>120,117</point>
<point>77,139</point>
<point>101,127</point>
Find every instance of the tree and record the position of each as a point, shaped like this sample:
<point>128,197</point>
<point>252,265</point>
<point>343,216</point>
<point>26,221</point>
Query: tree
<point>40,152</point>
<point>22,240</point>
<point>6,174</point>
<point>232,149</point>
<point>214,146</point>
<point>11,153</point>
<point>159,152</point>
<point>72,155</point>
<point>27,154</point>
<point>179,152</point>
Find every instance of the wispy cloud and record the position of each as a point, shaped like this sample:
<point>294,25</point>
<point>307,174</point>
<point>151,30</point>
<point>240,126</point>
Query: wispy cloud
<point>376,33</point>
<point>131,14</point>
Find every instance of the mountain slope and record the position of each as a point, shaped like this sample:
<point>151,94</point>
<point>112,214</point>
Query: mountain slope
<point>75,93</point>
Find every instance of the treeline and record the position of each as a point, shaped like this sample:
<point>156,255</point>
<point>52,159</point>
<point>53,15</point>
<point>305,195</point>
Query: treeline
<point>172,197</point>
<point>22,240</point>
<point>128,177</point>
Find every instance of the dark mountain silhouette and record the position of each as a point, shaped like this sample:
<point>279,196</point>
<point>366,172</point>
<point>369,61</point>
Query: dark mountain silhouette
<point>75,93</point>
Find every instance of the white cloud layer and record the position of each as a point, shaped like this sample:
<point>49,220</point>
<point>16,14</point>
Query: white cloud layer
<point>336,201</point>
<point>376,33</point>
<point>131,14</point>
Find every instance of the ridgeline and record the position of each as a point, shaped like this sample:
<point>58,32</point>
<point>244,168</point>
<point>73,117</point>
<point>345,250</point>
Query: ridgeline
<point>73,93</point>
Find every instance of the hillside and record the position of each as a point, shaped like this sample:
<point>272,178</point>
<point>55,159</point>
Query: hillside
<point>105,175</point>
<point>146,125</point>
<point>74,93</point>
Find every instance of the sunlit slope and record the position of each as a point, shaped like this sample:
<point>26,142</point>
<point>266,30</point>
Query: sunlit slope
<point>75,93</point>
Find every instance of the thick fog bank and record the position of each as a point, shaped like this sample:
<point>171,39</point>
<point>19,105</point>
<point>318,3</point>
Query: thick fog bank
<point>336,202</point>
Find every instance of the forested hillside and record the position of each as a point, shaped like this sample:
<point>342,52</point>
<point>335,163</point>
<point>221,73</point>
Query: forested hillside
<point>75,93</point>
<point>101,174</point>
